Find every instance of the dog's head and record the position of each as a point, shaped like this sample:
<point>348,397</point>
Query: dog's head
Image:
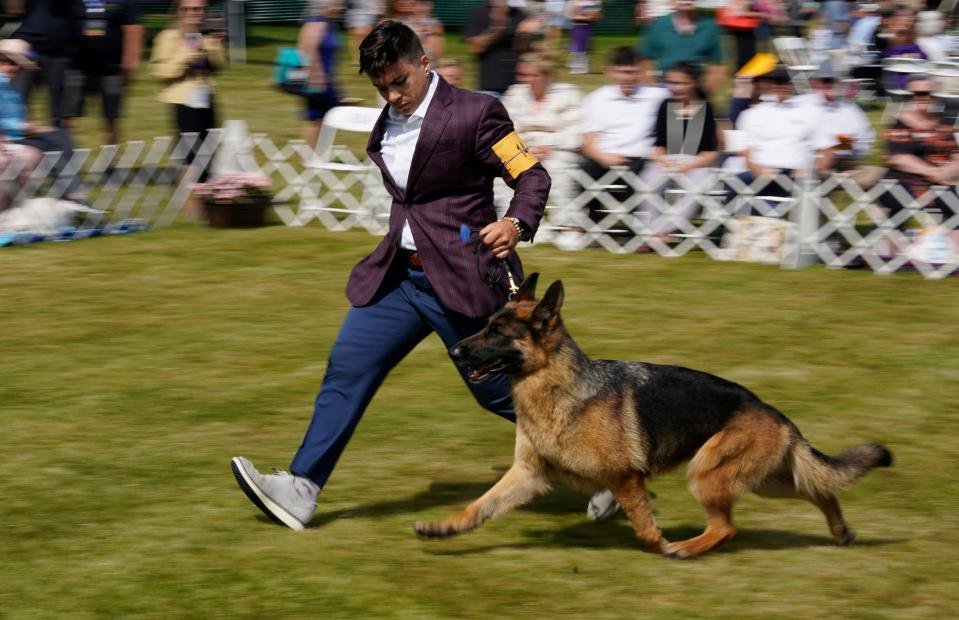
<point>516,339</point>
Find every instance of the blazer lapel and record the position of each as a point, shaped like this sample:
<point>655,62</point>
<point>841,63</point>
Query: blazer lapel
<point>437,116</point>
<point>374,150</point>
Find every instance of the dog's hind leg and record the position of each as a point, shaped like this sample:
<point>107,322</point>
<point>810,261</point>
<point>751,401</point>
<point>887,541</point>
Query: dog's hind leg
<point>632,496</point>
<point>525,480</point>
<point>732,462</point>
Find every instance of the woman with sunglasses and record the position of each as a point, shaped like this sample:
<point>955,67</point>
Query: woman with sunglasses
<point>922,150</point>
<point>185,59</point>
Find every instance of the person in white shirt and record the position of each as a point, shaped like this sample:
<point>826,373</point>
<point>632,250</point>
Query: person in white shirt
<point>546,114</point>
<point>781,137</point>
<point>845,124</point>
<point>618,121</point>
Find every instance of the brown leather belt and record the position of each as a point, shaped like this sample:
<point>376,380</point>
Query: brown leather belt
<point>413,260</point>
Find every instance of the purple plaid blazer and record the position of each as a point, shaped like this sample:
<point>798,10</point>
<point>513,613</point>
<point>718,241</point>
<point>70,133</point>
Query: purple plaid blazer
<point>450,184</point>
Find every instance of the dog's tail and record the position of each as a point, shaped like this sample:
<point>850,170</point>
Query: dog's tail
<point>818,475</point>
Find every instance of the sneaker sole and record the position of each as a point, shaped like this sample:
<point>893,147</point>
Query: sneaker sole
<point>271,509</point>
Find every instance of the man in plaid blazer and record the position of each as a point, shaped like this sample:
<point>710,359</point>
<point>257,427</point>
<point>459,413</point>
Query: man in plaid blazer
<point>439,149</point>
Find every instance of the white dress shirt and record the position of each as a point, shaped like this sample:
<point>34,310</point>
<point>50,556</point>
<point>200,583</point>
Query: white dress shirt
<point>783,134</point>
<point>623,124</point>
<point>846,119</point>
<point>400,135</point>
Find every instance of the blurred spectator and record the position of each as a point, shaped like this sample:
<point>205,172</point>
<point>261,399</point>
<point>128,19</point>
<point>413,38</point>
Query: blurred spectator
<point>546,114</point>
<point>648,11</point>
<point>319,43</point>
<point>451,71</point>
<point>185,60</point>
<point>556,21</point>
<point>531,32</point>
<point>618,121</point>
<point>741,19</point>
<point>582,15</point>
<point>50,27</point>
<point>847,126</point>
<point>360,19</point>
<point>109,46</point>
<point>685,145</point>
<point>21,141</point>
<point>685,35</point>
<point>903,43</point>
<point>418,15</point>
<point>781,137</point>
<point>930,26</point>
<point>922,150</point>
<point>752,84</point>
<point>797,13</point>
<point>864,29</point>
<point>490,35</point>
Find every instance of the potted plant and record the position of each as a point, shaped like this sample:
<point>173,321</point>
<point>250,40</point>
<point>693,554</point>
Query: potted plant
<point>235,200</point>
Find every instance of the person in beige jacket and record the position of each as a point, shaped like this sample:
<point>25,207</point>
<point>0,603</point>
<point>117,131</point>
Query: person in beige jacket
<point>185,59</point>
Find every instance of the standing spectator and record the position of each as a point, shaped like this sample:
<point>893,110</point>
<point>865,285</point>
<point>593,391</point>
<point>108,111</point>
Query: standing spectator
<point>903,43</point>
<point>618,122</point>
<point>531,32</point>
<point>685,145</point>
<point>50,27</point>
<point>685,36</point>
<point>546,114</point>
<point>418,15</point>
<point>185,60</point>
<point>648,11</point>
<point>360,19</point>
<point>922,150</point>
<point>556,22</point>
<point>109,46</point>
<point>742,20</point>
<point>490,34</point>
<point>781,137</point>
<point>319,43</point>
<point>582,15</point>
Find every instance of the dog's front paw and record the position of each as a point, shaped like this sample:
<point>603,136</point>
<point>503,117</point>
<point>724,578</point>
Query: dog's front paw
<point>434,529</point>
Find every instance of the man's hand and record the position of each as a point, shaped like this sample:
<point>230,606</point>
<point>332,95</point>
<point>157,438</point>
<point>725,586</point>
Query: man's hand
<point>501,237</point>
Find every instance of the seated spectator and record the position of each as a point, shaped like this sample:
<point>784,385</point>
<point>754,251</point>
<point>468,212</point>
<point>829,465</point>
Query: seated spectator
<point>618,121</point>
<point>685,146</point>
<point>546,114</point>
<point>685,35</point>
<point>845,124</point>
<point>781,137</point>
<point>930,27</point>
<point>22,141</point>
<point>922,151</point>
<point>451,70</point>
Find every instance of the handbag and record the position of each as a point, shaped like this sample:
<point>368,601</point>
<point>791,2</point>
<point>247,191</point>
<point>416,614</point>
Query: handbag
<point>290,72</point>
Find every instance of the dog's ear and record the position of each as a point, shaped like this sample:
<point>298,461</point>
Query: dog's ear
<point>527,290</point>
<point>548,308</point>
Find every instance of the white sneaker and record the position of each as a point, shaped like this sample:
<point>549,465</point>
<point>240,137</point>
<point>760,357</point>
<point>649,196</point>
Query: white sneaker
<point>602,506</point>
<point>287,499</point>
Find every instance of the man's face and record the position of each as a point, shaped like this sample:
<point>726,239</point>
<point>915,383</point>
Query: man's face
<point>404,84</point>
<point>825,87</point>
<point>783,90</point>
<point>624,76</point>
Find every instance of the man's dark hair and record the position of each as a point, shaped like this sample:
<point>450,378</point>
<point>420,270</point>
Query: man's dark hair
<point>389,42</point>
<point>622,56</point>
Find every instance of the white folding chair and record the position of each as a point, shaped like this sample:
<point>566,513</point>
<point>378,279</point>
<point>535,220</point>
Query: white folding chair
<point>339,169</point>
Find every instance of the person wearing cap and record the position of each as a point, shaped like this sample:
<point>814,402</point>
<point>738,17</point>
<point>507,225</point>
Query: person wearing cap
<point>781,137</point>
<point>844,123</point>
<point>19,158</point>
<point>15,127</point>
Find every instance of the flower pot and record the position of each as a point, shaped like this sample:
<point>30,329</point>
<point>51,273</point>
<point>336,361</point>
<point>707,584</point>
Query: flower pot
<point>236,215</point>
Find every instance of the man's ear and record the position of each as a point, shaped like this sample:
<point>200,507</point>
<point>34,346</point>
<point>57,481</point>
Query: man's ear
<point>527,290</point>
<point>548,308</point>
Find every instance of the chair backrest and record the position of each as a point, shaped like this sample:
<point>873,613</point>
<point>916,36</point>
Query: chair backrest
<point>344,118</point>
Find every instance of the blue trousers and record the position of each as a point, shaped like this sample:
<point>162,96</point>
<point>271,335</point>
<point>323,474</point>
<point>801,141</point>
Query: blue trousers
<point>372,340</point>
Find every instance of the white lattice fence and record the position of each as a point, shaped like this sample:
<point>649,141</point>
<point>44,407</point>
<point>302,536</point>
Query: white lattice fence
<point>831,220</point>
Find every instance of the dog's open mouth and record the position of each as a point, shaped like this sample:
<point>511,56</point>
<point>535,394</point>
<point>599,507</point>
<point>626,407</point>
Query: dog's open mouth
<point>482,372</point>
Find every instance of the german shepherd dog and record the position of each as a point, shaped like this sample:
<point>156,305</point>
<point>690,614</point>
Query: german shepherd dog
<point>611,424</point>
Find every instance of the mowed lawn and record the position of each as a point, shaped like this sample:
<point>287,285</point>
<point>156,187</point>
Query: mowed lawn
<point>134,367</point>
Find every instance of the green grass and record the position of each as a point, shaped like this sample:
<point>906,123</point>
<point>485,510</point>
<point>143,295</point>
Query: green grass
<point>134,367</point>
